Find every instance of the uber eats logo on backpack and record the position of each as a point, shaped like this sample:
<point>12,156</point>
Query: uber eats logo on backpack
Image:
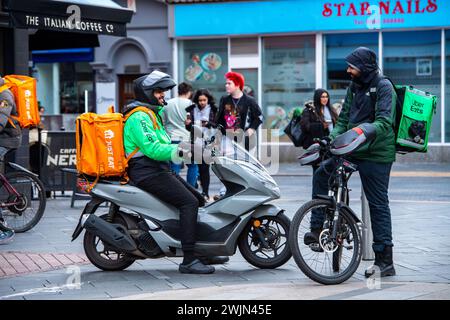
<point>417,107</point>
<point>109,135</point>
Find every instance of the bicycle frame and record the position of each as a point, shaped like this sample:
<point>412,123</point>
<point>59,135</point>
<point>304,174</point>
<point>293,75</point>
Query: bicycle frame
<point>11,191</point>
<point>338,189</point>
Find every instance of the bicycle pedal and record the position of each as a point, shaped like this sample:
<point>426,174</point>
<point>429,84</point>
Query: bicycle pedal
<point>315,247</point>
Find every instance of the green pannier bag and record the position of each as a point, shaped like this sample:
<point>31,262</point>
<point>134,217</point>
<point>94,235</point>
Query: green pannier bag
<point>414,113</point>
<point>414,119</point>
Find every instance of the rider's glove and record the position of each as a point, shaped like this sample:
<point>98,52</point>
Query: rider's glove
<point>327,139</point>
<point>191,152</point>
<point>185,150</point>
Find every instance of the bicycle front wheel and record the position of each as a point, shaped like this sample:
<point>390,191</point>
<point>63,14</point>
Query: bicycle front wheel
<point>329,261</point>
<point>23,212</point>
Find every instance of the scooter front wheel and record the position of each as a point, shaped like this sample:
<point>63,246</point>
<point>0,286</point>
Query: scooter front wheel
<point>102,255</point>
<point>264,241</point>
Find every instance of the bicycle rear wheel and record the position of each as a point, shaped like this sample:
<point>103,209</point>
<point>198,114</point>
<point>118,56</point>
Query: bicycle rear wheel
<point>29,206</point>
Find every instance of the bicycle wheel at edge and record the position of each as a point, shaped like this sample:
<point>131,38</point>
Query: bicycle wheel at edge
<point>33,189</point>
<point>295,243</point>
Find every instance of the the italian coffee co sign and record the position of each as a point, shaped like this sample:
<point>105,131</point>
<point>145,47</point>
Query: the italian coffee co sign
<point>73,22</point>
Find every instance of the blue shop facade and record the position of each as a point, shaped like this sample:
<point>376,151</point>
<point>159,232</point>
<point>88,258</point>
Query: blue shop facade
<point>288,48</point>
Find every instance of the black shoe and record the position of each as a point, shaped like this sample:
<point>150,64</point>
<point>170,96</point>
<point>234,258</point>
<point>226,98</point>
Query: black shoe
<point>206,197</point>
<point>383,264</point>
<point>196,267</point>
<point>214,260</point>
<point>311,239</point>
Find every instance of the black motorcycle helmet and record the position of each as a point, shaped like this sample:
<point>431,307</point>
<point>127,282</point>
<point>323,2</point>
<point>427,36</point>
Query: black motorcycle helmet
<point>145,85</point>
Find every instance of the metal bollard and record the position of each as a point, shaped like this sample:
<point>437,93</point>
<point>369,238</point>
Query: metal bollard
<point>367,236</point>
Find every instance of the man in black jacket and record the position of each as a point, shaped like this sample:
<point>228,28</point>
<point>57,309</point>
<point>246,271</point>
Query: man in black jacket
<point>369,105</point>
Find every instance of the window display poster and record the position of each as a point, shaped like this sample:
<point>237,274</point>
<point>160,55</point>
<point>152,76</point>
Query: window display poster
<point>106,96</point>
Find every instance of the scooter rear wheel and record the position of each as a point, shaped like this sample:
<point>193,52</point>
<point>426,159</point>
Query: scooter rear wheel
<point>107,259</point>
<point>274,231</point>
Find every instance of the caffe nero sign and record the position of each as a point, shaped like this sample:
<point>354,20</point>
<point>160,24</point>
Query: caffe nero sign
<point>70,18</point>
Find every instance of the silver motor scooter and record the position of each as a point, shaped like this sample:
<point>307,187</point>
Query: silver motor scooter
<point>140,226</point>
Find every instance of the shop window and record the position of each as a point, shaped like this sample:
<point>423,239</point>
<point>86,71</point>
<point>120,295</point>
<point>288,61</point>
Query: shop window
<point>447,86</point>
<point>288,79</point>
<point>203,64</point>
<point>75,79</point>
<point>414,58</point>
<point>244,46</point>
<point>338,46</point>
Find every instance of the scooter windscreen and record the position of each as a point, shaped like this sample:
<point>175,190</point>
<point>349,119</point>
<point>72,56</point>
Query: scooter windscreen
<point>348,142</point>
<point>311,155</point>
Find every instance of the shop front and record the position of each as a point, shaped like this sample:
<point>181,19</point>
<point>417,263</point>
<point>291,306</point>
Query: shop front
<point>293,47</point>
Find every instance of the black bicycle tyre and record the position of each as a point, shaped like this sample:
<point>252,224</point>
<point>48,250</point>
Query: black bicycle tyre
<point>298,258</point>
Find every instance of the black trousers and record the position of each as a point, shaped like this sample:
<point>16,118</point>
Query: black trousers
<point>205,177</point>
<point>375,182</point>
<point>171,188</point>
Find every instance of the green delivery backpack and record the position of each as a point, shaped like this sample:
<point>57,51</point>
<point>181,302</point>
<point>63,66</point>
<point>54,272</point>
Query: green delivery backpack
<point>414,114</point>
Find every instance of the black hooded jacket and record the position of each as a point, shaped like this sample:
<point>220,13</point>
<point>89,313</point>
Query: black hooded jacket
<point>360,108</point>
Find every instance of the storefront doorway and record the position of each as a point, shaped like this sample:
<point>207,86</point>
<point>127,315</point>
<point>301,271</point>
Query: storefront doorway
<point>126,93</point>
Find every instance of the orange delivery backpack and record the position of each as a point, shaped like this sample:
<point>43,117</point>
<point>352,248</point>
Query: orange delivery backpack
<point>99,145</point>
<point>24,91</point>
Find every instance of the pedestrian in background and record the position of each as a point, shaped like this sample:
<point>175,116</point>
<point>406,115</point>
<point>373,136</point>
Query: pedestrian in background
<point>318,119</point>
<point>174,122</point>
<point>203,113</point>
<point>248,113</point>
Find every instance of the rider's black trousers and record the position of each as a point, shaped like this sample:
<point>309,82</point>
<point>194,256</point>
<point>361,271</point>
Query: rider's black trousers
<point>171,188</point>
<point>375,182</point>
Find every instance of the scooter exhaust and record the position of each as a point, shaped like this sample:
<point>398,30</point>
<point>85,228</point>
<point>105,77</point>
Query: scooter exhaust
<point>114,234</point>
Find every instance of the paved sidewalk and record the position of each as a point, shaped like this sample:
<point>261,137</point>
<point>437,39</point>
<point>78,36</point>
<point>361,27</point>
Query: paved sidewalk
<point>421,220</point>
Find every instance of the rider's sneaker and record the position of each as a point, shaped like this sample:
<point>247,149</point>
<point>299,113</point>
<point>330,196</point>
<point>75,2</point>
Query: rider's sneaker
<point>6,236</point>
<point>311,239</point>
<point>196,267</point>
<point>214,260</point>
<point>206,197</point>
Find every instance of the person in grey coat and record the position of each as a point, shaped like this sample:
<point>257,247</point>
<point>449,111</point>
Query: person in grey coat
<point>10,138</point>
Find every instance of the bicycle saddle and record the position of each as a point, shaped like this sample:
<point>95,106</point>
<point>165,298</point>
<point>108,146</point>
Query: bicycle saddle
<point>348,142</point>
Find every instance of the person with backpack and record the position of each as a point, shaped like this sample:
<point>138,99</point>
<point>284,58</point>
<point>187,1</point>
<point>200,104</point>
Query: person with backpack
<point>149,167</point>
<point>10,139</point>
<point>376,119</point>
<point>318,119</point>
<point>203,113</point>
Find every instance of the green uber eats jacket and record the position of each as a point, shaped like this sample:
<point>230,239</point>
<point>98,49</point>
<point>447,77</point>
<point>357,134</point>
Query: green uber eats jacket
<point>359,108</point>
<point>140,131</point>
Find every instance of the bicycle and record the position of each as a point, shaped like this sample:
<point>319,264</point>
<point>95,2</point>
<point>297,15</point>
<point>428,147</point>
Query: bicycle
<point>22,198</point>
<point>337,255</point>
